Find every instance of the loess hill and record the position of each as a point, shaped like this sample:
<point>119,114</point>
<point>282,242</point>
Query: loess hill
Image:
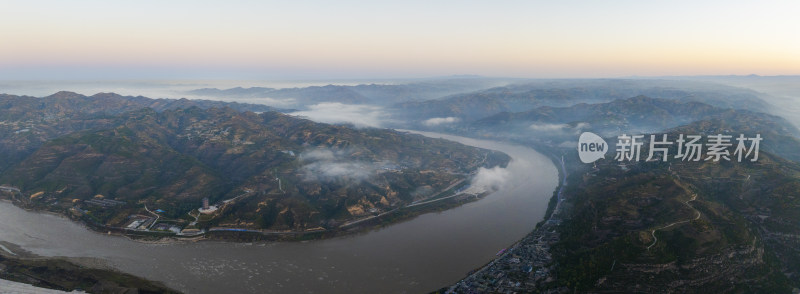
<point>279,172</point>
<point>650,226</point>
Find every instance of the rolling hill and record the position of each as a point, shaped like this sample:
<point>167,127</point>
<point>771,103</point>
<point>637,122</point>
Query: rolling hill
<point>292,173</point>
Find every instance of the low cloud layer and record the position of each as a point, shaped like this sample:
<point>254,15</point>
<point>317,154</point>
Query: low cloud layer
<point>568,144</point>
<point>558,128</point>
<point>548,127</point>
<point>321,155</point>
<point>491,178</point>
<point>326,165</point>
<point>274,102</point>
<point>440,120</point>
<point>336,113</point>
<point>326,171</point>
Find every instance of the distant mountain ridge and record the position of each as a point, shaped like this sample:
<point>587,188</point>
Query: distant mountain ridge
<point>74,104</point>
<point>629,114</point>
<point>526,96</point>
<point>376,94</point>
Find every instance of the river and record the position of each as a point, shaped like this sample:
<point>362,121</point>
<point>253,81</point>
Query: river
<point>420,255</point>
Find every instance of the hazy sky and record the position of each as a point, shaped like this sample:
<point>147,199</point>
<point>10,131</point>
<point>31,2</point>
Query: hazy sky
<point>367,39</point>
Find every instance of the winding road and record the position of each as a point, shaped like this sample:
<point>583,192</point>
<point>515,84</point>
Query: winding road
<point>155,221</point>
<point>653,233</point>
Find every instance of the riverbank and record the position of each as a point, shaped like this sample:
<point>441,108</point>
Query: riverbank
<point>441,201</point>
<point>69,274</point>
<point>360,226</point>
<point>529,254</point>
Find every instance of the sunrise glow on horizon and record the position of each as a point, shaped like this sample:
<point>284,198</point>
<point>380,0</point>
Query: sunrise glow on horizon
<point>235,39</point>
